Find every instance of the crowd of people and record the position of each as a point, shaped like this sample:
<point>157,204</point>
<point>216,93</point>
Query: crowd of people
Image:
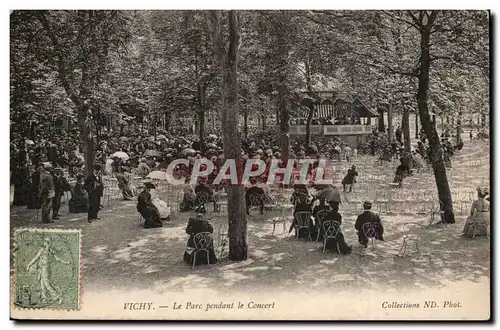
<point>45,167</point>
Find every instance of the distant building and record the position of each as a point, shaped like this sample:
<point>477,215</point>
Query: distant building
<point>351,121</point>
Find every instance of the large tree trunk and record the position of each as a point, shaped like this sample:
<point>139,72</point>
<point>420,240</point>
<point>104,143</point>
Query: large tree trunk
<point>459,126</point>
<point>86,138</point>
<point>406,129</point>
<point>201,116</point>
<point>310,105</point>
<point>310,115</point>
<point>168,118</point>
<point>283,95</point>
<point>389,122</point>
<point>229,113</point>
<point>381,123</point>
<point>416,126</point>
<point>245,123</point>
<point>430,130</point>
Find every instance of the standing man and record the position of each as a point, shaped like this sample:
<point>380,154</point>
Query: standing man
<point>47,191</point>
<point>398,134</point>
<point>95,189</point>
<point>470,135</point>
<point>347,152</point>
<point>350,178</point>
<point>60,186</point>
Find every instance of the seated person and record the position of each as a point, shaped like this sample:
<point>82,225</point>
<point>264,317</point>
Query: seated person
<point>368,217</point>
<point>302,203</point>
<point>479,213</point>
<point>195,226</point>
<point>188,199</point>
<point>124,184</point>
<point>331,244</point>
<point>162,206</point>
<point>79,202</point>
<point>321,206</point>
<point>143,169</point>
<point>150,161</point>
<point>203,187</point>
<point>147,209</point>
<point>254,190</point>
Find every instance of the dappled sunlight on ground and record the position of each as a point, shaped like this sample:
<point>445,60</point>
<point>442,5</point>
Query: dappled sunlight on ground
<point>119,253</point>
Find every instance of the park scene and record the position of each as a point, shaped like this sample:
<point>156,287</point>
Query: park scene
<point>126,125</point>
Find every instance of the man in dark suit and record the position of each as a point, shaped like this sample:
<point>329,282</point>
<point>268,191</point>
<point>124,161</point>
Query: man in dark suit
<point>368,217</point>
<point>46,191</point>
<point>95,189</point>
<point>254,191</point>
<point>350,178</point>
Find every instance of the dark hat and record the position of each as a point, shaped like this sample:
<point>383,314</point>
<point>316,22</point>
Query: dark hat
<point>367,204</point>
<point>149,185</point>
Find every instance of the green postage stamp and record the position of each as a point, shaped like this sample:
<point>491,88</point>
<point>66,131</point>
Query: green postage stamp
<point>47,268</point>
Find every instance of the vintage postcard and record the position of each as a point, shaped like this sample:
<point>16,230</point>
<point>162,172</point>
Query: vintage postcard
<point>250,164</point>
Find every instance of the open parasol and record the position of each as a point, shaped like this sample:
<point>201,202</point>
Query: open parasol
<point>188,152</point>
<point>330,195</point>
<point>161,137</point>
<point>121,155</point>
<point>157,175</point>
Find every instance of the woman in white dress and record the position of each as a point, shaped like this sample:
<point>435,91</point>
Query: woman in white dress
<point>108,169</point>
<point>162,206</point>
<point>479,214</point>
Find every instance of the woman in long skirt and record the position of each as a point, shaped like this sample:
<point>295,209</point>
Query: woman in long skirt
<point>479,214</point>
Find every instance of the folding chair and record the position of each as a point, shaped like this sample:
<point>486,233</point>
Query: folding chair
<point>479,224</point>
<point>370,232</point>
<point>222,239</point>
<point>331,230</point>
<point>202,243</point>
<point>255,201</point>
<point>435,212</point>
<point>201,200</point>
<point>302,219</point>
<point>407,238</point>
<point>319,220</point>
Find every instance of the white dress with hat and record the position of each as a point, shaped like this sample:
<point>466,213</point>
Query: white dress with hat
<point>162,206</point>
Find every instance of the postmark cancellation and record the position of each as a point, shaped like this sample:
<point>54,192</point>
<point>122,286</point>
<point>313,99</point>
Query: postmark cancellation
<point>47,269</point>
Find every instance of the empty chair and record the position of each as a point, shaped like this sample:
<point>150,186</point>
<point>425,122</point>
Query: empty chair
<point>409,238</point>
